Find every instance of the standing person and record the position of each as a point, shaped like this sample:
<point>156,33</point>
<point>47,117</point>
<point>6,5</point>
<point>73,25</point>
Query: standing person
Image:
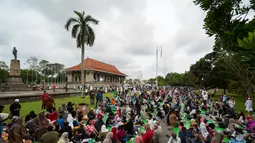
<point>49,137</point>
<point>248,105</point>
<point>92,97</point>
<point>224,99</point>
<point>49,104</point>
<point>99,97</point>
<point>54,87</point>
<point>44,97</point>
<point>15,108</point>
<point>2,119</point>
<point>232,102</point>
<point>66,87</point>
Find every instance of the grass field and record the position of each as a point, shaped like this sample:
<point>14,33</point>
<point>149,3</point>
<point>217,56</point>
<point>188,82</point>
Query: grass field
<point>26,107</point>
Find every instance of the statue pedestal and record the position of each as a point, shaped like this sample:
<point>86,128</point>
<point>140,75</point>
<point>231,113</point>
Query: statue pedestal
<point>15,81</point>
<point>15,68</point>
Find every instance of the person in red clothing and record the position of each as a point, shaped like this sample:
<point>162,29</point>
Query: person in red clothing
<point>44,97</point>
<point>54,87</point>
<point>148,135</point>
<point>54,115</point>
<point>115,136</point>
<point>121,134</point>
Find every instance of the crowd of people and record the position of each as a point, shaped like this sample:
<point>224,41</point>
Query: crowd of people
<point>134,114</point>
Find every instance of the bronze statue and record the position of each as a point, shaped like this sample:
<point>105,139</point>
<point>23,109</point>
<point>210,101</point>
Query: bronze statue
<point>14,52</point>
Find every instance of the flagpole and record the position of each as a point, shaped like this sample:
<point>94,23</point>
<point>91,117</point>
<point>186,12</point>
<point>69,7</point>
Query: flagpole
<point>159,48</point>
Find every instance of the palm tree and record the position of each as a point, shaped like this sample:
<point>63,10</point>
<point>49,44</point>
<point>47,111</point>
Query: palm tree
<point>84,35</point>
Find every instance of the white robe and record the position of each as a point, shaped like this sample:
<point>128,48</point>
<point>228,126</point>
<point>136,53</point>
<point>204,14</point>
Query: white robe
<point>70,120</point>
<point>231,103</point>
<point>203,130</point>
<point>248,105</point>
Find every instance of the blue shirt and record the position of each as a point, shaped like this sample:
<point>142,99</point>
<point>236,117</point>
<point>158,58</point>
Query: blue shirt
<point>100,96</point>
<point>61,122</point>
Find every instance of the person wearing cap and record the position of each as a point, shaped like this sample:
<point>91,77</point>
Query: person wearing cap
<point>15,108</point>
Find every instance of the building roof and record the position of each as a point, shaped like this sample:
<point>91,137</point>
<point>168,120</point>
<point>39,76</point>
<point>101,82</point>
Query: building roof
<point>91,64</point>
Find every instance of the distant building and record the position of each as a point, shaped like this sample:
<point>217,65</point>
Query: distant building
<point>95,72</point>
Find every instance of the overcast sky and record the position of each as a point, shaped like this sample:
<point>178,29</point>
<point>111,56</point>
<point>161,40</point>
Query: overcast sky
<point>127,35</point>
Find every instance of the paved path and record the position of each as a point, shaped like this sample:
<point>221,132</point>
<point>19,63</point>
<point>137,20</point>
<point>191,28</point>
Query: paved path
<point>33,93</point>
<point>165,131</point>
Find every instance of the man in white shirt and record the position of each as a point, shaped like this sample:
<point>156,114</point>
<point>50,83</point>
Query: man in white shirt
<point>174,139</point>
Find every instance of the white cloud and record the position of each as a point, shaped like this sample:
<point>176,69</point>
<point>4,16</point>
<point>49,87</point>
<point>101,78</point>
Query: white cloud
<point>127,35</point>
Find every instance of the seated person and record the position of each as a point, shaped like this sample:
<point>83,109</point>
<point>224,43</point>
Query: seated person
<point>30,116</point>
<point>54,115</point>
<point>109,121</point>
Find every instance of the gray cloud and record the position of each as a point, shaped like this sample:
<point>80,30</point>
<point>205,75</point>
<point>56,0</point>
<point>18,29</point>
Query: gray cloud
<point>128,32</point>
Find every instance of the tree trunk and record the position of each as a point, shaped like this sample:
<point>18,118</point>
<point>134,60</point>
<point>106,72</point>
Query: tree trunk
<point>82,71</point>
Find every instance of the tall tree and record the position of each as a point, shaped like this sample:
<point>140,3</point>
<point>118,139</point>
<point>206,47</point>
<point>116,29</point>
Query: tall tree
<point>3,76</point>
<point>174,79</point>
<point>84,35</point>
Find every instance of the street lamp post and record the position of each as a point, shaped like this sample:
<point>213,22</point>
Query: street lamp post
<point>159,48</point>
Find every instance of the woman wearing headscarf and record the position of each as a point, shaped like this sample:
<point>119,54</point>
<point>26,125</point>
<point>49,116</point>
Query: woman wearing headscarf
<point>204,131</point>
<point>115,136</point>
<point>70,120</point>
<point>17,131</point>
<point>231,125</point>
<point>40,125</point>
<point>173,120</point>
<point>64,138</point>
<point>218,138</point>
<point>98,111</point>
<point>30,116</point>
<point>250,125</point>
<point>241,118</point>
<point>70,107</point>
<point>108,138</point>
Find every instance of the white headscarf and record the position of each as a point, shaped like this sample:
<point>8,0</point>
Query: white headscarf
<point>70,120</point>
<point>103,129</point>
<point>203,130</point>
<point>98,111</point>
<point>64,138</point>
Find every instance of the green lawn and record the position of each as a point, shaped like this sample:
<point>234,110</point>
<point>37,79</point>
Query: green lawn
<point>26,107</point>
